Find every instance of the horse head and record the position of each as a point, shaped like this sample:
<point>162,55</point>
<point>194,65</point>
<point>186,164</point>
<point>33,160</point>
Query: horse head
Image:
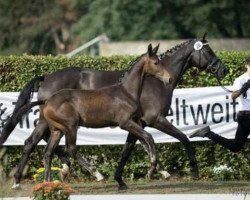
<point>154,65</point>
<point>203,57</point>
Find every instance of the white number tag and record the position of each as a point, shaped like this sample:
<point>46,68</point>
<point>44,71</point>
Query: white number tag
<point>198,45</point>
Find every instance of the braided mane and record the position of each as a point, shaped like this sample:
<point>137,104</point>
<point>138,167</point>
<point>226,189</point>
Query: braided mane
<point>171,51</point>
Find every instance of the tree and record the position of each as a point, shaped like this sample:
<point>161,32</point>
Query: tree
<point>161,19</point>
<point>36,27</point>
<point>57,26</point>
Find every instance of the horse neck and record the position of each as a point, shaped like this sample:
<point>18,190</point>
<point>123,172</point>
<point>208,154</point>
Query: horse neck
<point>132,82</point>
<point>178,63</point>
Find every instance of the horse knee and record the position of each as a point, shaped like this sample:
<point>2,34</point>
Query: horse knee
<point>48,155</point>
<point>184,139</point>
<point>149,119</point>
<point>28,146</point>
<point>150,138</point>
<point>28,141</point>
<point>72,152</point>
<point>236,148</point>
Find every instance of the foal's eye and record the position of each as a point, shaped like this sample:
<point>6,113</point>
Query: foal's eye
<point>156,62</point>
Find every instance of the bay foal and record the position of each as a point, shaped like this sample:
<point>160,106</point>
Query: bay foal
<point>116,105</point>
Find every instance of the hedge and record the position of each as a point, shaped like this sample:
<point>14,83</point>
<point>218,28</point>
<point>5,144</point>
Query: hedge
<point>18,70</point>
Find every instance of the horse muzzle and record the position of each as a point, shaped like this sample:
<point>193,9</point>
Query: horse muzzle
<point>167,81</point>
<point>222,72</point>
<point>218,69</point>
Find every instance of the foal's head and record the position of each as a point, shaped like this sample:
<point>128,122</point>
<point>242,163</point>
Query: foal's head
<point>154,66</point>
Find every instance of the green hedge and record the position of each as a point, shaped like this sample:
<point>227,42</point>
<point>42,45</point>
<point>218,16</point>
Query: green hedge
<point>18,70</point>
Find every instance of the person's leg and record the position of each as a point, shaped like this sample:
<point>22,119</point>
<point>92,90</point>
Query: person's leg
<point>236,144</point>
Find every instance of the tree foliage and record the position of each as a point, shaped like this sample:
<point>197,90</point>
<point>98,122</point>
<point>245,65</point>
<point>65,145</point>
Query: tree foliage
<point>161,19</point>
<point>36,27</point>
<point>57,26</point>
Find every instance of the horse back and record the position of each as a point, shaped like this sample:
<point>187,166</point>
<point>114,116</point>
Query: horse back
<point>76,78</point>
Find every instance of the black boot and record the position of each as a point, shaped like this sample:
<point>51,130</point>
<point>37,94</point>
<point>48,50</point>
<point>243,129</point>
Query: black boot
<point>203,132</point>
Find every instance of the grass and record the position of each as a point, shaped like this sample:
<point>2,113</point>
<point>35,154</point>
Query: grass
<point>172,186</point>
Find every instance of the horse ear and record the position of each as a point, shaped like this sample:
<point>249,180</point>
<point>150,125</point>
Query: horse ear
<point>150,50</point>
<point>204,36</point>
<point>156,49</point>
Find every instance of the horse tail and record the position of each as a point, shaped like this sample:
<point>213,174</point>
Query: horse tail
<point>23,99</point>
<point>24,109</point>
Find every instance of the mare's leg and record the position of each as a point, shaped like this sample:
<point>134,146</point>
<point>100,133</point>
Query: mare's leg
<point>147,139</point>
<point>49,151</point>
<point>127,149</point>
<point>165,126</point>
<point>29,146</point>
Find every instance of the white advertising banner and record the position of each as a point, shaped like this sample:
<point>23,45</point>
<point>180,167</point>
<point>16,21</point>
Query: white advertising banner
<point>191,109</point>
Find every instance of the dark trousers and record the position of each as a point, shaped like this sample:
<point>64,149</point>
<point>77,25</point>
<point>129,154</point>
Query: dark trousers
<point>242,132</point>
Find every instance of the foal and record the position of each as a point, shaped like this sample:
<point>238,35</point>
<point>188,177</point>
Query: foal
<point>116,105</point>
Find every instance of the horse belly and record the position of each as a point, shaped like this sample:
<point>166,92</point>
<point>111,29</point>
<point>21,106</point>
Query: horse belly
<point>96,120</point>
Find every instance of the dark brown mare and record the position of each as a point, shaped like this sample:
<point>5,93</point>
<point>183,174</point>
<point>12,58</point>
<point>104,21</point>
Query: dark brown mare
<point>115,105</point>
<point>177,60</point>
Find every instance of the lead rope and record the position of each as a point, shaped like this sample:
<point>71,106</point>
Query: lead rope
<point>223,87</point>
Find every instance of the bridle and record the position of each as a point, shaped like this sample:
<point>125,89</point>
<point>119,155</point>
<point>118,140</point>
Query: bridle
<point>214,65</point>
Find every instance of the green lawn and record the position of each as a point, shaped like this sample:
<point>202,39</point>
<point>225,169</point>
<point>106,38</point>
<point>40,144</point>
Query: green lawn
<point>141,187</point>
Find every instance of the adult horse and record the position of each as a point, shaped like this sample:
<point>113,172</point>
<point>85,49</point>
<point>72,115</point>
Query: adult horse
<point>193,52</point>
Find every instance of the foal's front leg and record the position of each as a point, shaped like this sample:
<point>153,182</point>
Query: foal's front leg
<point>147,140</point>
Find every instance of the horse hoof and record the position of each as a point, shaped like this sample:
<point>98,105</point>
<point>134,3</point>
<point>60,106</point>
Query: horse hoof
<point>150,174</point>
<point>165,174</point>
<point>123,187</point>
<point>16,186</point>
<point>99,176</point>
<point>65,169</point>
<point>195,178</point>
<point>195,175</point>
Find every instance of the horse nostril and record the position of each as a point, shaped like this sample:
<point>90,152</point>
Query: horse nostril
<point>169,81</point>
